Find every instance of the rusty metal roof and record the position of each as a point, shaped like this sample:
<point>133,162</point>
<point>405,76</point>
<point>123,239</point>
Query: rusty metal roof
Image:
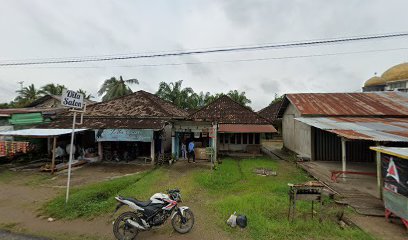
<point>358,128</point>
<point>246,128</point>
<point>391,104</point>
<point>226,110</point>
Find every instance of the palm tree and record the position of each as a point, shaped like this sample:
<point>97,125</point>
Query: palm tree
<point>52,89</point>
<point>202,99</point>
<point>86,95</point>
<point>113,88</point>
<point>173,92</point>
<point>26,95</point>
<point>239,97</point>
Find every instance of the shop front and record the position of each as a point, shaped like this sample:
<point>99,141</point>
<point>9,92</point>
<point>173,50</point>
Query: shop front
<point>242,137</point>
<point>125,144</point>
<point>184,132</point>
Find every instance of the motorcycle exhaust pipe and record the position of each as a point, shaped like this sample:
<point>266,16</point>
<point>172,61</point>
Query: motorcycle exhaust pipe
<point>135,224</point>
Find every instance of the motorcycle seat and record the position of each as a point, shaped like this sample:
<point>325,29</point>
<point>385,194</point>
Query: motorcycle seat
<point>138,203</point>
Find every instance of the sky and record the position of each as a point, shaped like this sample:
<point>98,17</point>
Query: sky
<point>37,29</point>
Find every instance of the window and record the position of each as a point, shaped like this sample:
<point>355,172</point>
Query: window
<point>251,138</point>
<point>232,138</point>
<point>257,137</point>
<point>245,138</point>
<point>397,85</point>
<point>239,135</point>
<point>226,138</point>
<point>221,138</point>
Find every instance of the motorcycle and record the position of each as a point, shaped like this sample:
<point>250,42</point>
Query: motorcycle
<point>152,213</point>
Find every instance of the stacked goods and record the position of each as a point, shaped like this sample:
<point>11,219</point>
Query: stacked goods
<point>11,148</point>
<point>3,151</point>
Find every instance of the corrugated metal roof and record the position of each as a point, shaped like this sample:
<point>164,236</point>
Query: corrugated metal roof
<point>394,151</point>
<point>351,104</point>
<point>246,128</point>
<point>374,129</point>
<point>38,132</point>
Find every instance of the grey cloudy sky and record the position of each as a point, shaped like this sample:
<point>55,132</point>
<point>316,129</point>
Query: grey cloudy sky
<point>54,28</point>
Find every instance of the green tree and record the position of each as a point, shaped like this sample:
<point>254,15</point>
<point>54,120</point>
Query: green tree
<point>26,95</point>
<point>175,93</point>
<point>86,95</point>
<point>239,97</point>
<point>277,99</point>
<point>199,100</point>
<point>113,88</point>
<point>4,105</point>
<point>52,89</point>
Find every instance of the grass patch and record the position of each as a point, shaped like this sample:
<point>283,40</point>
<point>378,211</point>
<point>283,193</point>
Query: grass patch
<point>96,199</point>
<point>6,175</point>
<point>264,200</point>
<point>9,226</point>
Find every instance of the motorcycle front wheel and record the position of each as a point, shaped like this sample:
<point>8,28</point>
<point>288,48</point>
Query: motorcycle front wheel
<point>122,229</point>
<point>183,226</point>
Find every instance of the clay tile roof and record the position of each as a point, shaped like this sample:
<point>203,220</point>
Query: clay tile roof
<point>106,123</point>
<point>385,104</point>
<point>270,112</point>
<point>58,98</point>
<point>140,104</point>
<point>226,110</point>
<point>139,110</point>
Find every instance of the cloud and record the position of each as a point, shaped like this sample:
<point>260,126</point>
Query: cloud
<point>270,86</point>
<point>46,28</point>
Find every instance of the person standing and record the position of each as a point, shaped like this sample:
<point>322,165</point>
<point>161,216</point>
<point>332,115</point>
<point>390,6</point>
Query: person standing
<point>191,152</point>
<point>183,151</point>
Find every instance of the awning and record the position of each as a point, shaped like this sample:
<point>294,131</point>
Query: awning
<point>246,128</point>
<point>38,132</point>
<point>357,128</point>
<point>393,151</point>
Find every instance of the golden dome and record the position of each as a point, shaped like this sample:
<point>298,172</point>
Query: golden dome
<point>374,81</point>
<point>397,72</point>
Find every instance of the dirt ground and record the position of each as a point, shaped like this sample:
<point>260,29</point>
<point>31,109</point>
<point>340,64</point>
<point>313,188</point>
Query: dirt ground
<point>23,193</point>
<point>380,228</point>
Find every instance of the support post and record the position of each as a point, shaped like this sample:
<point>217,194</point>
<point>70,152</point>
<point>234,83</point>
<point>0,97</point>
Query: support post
<point>379,175</point>
<point>70,156</point>
<point>152,153</point>
<point>343,157</point>
<point>173,145</point>
<point>215,139</point>
<point>49,145</point>
<point>54,146</point>
<point>100,151</point>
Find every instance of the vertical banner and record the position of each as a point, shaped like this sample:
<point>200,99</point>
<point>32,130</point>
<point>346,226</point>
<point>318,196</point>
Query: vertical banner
<point>395,174</point>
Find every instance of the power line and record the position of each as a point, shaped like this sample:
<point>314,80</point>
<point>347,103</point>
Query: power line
<point>209,51</point>
<point>230,61</point>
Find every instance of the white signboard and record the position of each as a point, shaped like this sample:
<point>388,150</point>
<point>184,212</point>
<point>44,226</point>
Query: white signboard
<point>72,99</point>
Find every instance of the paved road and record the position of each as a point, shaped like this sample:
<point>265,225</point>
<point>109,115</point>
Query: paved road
<point>13,236</point>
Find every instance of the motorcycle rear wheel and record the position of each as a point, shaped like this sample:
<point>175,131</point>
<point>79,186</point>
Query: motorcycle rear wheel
<point>181,227</point>
<point>122,230</point>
